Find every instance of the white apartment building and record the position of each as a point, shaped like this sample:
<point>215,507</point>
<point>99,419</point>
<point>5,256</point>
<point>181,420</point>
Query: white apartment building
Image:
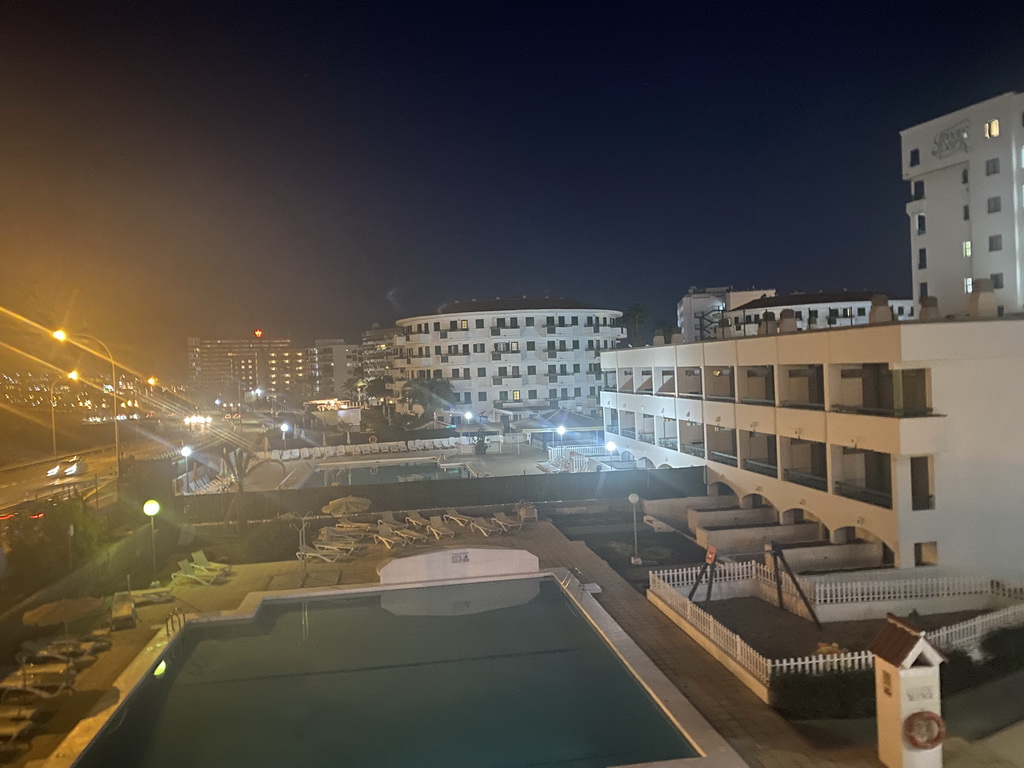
<point>899,433</point>
<point>837,309</point>
<point>699,312</point>
<point>332,362</point>
<point>510,358</point>
<point>966,171</point>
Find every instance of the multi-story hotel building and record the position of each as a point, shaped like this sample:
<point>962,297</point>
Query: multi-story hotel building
<point>507,358</point>
<point>898,433</point>
<point>331,363</point>
<point>377,350</point>
<point>966,176</point>
<point>699,312</point>
<point>837,309</point>
<point>231,369</point>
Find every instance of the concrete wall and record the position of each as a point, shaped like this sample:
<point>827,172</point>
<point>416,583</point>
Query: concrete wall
<point>730,540</point>
<point>710,518</point>
<point>866,554</point>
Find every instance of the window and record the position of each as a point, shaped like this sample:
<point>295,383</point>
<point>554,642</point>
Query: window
<point>963,176</point>
<point>923,290</point>
<point>463,325</point>
<point>531,370</point>
<point>503,395</point>
<point>900,311</point>
<point>861,311</point>
<point>995,242</point>
<point>553,394</point>
<point>479,322</point>
<point>531,346</point>
<point>574,320</point>
<point>921,228</point>
<point>455,373</point>
<point>991,129</point>
<point>514,346</point>
<point>917,191</point>
<point>481,372</point>
<point>812,314</point>
<point>481,396</point>
<point>565,393</point>
<point>501,322</point>
<point>995,204</point>
<point>922,258</point>
<point>992,166</point>
<point>437,326</point>
<point>515,370</point>
<point>997,280</point>
<point>575,367</point>
<point>437,350</point>
<point>465,373</point>
<point>529,322</point>
<point>967,249</point>
<point>502,370</point>
<point>552,370</point>
<point>967,212</point>
<point>915,157</point>
<point>531,394</point>
<point>515,395</point>
<point>968,284</point>
<point>577,391</point>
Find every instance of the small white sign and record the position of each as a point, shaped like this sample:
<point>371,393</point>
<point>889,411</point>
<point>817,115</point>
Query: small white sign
<point>920,693</point>
<point>460,557</point>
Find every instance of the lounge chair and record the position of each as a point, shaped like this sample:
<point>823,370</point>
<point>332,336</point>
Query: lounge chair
<point>18,712</point>
<point>414,519</point>
<point>71,652</point>
<point>403,447</point>
<point>507,523</point>
<point>411,535</point>
<point>346,546</point>
<point>386,535</point>
<point>42,684</point>
<point>123,614</point>
<point>327,555</point>
<point>201,563</point>
<point>346,530</point>
<point>437,528</point>
<point>10,730</point>
<point>452,516</point>
<point>389,518</point>
<point>189,575</point>
<point>480,524</point>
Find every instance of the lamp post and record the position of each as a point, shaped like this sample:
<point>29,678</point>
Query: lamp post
<point>186,451</point>
<point>152,509</point>
<point>284,436</point>
<point>561,433</point>
<point>635,560</point>
<point>53,408</point>
<point>63,336</point>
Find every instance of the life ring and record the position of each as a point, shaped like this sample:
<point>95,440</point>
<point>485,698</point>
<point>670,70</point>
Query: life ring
<point>373,438</point>
<point>924,730</point>
<point>374,470</point>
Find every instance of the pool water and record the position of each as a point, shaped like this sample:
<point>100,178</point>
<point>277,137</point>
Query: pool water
<point>368,473</point>
<point>499,674</point>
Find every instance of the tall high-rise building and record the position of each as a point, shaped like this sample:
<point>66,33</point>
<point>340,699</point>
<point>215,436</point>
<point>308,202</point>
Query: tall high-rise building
<point>232,369</point>
<point>332,363</point>
<point>966,209</point>
<point>376,351</point>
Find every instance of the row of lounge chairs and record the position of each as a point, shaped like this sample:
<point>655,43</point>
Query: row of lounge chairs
<point>200,570</point>
<point>364,449</point>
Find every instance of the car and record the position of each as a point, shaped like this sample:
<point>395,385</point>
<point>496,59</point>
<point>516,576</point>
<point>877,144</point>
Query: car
<point>73,467</point>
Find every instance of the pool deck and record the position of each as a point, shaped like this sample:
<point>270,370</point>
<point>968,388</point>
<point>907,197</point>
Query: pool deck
<point>762,737</point>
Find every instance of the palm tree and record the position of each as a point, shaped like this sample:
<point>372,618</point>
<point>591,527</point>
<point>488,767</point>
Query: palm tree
<point>429,394</point>
<point>632,318</point>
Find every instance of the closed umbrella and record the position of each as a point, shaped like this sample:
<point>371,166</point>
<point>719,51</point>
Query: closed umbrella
<point>347,505</point>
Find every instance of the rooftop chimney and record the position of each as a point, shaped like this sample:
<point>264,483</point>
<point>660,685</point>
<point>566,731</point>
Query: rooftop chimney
<point>880,312</point>
<point>787,321</point>
<point>929,308</point>
<point>767,326</point>
<point>982,301</point>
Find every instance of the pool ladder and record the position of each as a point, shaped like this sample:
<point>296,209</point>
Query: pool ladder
<point>576,573</point>
<point>174,622</point>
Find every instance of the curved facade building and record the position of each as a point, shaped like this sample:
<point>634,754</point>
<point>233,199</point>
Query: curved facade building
<point>509,357</point>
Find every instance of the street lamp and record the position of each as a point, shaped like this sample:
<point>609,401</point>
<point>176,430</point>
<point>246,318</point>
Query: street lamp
<point>635,559</point>
<point>63,336</point>
<point>53,408</point>
<point>610,447</point>
<point>186,451</point>
<point>284,436</point>
<point>152,509</point>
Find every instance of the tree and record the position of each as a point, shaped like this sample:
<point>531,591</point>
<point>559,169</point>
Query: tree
<point>633,318</point>
<point>429,394</point>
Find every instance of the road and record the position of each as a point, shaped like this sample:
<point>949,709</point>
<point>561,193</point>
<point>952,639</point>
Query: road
<point>30,482</point>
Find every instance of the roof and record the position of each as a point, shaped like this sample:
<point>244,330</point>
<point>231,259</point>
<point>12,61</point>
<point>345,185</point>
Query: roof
<point>897,641</point>
<point>513,304</point>
<point>829,297</point>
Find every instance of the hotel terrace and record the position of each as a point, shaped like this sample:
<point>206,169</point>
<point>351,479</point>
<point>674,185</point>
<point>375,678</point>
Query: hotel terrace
<point>901,434</point>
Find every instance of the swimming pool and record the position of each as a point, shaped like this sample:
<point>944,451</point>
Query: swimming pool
<point>498,673</point>
<point>383,471</point>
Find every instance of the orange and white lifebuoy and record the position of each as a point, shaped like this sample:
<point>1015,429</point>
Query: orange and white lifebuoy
<point>374,470</point>
<point>373,438</point>
<point>924,730</point>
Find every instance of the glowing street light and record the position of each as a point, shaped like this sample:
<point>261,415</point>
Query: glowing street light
<point>186,451</point>
<point>469,415</point>
<point>152,508</point>
<point>610,447</point>
<point>60,335</point>
<point>284,434</point>
<point>53,408</point>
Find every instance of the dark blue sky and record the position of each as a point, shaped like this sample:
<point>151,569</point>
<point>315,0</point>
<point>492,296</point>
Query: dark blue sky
<point>174,169</point>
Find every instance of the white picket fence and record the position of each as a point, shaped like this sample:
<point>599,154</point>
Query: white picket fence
<point>967,634</point>
<point>833,592</point>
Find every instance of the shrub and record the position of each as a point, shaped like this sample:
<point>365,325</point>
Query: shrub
<point>269,541</point>
<point>833,695</point>
<point>1004,649</point>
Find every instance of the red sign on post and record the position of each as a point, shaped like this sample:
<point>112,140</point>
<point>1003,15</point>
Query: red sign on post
<point>712,553</point>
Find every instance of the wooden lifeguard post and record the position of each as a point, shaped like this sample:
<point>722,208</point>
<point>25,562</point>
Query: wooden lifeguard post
<point>907,695</point>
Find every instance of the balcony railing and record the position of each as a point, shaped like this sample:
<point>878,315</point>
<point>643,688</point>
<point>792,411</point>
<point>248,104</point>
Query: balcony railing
<point>669,442</point>
<point>807,406</point>
<point>862,493</point>
<point>612,429</point>
<point>630,433</point>
<point>899,413</point>
<point>691,395</point>
<point>694,449</point>
<point>647,437</point>
<point>720,398</point>
<point>722,458</point>
<point>757,401</point>
<point>761,467</point>
<point>807,479</point>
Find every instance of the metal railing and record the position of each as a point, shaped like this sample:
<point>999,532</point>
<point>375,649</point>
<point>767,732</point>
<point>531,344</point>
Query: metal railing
<point>694,449</point>
<point>722,458</point>
<point>862,493</point>
<point>646,437</point>
<point>669,442</point>
<point>630,433</point>
<point>803,405</point>
<point>800,477</point>
<point>761,467</point>
<point>898,413</point>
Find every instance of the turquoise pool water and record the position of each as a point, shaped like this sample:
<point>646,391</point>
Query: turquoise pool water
<point>367,473</point>
<point>503,674</point>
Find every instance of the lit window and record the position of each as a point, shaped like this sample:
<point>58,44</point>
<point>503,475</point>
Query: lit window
<point>967,249</point>
<point>991,129</point>
<point>515,395</point>
<point>968,284</point>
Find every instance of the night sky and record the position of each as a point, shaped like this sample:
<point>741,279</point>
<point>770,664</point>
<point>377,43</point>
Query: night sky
<point>174,169</point>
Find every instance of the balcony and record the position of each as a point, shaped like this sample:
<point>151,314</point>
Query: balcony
<point>806,479</point>
<point>646,437</point>
<point>721,398</point>
<point>722,458</point>
<point>694,449</point>
<point>612,429</point>
<point>630,433</point>
<point>862,493</point>
<point>762,468</point>
<point>669,442</point>
<point>805,406</point>
<point>898,413</point>
<point>757,401</point>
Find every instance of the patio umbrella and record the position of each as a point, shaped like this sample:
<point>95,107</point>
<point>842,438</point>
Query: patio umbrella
<point>62,612</point>
<point>347,505</point>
